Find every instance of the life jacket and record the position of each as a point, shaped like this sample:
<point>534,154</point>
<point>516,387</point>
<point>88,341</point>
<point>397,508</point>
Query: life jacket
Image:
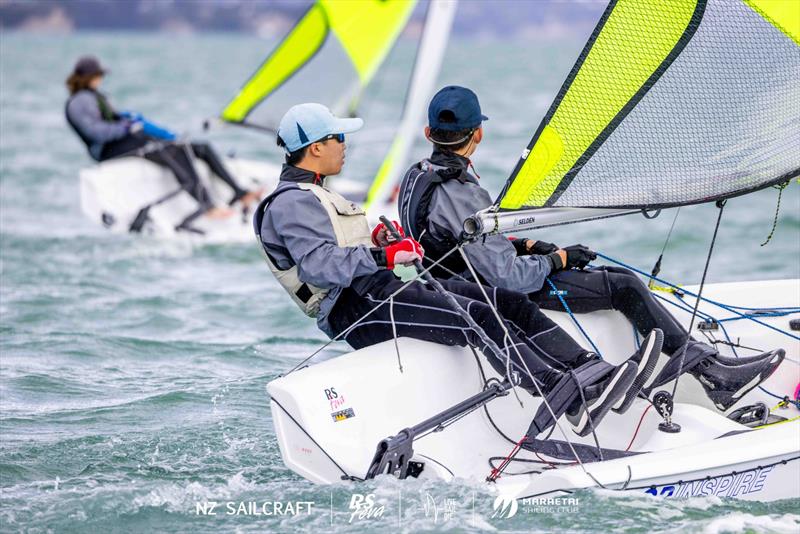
<point>350,226</point>
<point>415,200</point>
<point>106,112</point>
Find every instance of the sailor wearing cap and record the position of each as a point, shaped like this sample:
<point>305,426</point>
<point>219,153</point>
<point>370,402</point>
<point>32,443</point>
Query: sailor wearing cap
<point>108,133</point>
<point>320,248</point>
<point>439,193</point>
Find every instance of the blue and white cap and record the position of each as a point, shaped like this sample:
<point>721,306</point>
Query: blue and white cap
<point>304,124</point>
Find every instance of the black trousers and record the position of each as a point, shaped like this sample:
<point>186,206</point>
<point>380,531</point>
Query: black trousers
<point>175,158</point>
<point>422,313</point>
<point>613,288</point>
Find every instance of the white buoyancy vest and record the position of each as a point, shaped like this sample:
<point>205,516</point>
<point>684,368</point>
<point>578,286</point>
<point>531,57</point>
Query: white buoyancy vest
<point>351,228</point>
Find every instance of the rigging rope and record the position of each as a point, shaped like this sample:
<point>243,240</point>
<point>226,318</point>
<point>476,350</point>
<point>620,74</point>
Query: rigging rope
<point>721,206</point>
<point>557,293</point>
<point>732,309</point>
<point>657,267</point>
<point>780,188</point>
<point>535,383</point>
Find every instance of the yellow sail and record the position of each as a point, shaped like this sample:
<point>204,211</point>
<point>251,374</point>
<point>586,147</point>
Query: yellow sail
<point>358,35</point>
<point>670,103</point>
<point>635,40</point>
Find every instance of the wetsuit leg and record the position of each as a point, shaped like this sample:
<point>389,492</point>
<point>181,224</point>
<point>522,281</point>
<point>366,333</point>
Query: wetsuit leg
<point>127,146</point>
<point>175,159</point>
<point>207,154</point>
<point>523,316</point>
<point>613,288</point>
<point>585,291</point>
<point>421,313</point>
<point>632,297</point>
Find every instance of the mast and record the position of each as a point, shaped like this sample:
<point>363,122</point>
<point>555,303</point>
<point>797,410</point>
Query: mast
<point>430,54</point>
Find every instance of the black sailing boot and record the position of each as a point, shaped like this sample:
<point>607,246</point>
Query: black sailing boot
<point>562,390</point>
<point>726,380</point>
<point>600,397</point>
<point>646,359</point>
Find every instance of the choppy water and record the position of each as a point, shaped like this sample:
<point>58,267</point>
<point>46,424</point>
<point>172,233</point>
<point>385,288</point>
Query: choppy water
<point>132,371</point>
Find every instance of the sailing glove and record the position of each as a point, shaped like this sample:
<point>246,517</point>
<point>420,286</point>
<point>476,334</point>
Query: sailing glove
<point>381,237</point>
<point>542,248</point>
<point>526,247</point>
<point>404,252</point>
<point>579,256</point>
<point>520,245</point>
<point>573,256</point>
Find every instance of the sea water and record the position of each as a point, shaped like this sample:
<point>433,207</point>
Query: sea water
<point>133,371</point>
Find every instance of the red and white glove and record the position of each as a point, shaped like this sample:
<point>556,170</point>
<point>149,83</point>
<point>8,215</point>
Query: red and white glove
<point>405,252</point>
<point>381,237</point>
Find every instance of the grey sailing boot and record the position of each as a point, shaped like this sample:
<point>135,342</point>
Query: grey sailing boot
<point>726,380</point>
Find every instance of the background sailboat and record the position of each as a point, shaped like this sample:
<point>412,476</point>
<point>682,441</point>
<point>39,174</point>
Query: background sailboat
<point>331,55</point>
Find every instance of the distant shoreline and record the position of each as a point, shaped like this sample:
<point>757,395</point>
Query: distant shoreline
<point>509,19</point>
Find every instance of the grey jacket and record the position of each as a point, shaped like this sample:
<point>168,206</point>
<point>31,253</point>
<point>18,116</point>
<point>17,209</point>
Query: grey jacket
<point>453,200</point>
<point>84,115</point>
<point>296,230</point>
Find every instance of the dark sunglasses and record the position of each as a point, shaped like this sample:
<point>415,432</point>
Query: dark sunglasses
<point>338,137</point>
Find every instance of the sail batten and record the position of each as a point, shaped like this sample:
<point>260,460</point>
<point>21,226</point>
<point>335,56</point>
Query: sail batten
<point>670,103</point>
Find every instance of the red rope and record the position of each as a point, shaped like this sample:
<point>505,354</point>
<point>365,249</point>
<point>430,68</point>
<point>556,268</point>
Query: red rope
<point>638,426</point>
<point>469,162</point>
<point>495,474</point>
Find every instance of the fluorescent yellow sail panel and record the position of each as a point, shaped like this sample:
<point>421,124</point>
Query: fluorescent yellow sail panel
<point>635,40</point>
<point>367,29</point>
<point>546,153</point>
<point>783,14</point>
<point>395,157</point>
<point>299,46</point>
<point>383,173</point>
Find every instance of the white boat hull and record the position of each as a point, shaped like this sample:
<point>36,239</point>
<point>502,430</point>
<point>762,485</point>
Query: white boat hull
<point>711,455</point>
<point>114,192</point>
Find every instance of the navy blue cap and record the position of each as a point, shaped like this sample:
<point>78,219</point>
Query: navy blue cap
<point>455,108</point>
<point>89,65</point>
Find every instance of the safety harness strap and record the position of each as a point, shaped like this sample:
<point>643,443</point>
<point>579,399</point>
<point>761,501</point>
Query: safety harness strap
<point>560,449</point>
<point>696,352</point>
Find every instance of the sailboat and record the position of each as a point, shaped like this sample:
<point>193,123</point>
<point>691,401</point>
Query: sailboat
<point>669,104</point>
<point>340,42</point>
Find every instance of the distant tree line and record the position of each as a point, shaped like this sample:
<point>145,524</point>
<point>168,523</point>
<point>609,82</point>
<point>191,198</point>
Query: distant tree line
<point>474,17</point>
